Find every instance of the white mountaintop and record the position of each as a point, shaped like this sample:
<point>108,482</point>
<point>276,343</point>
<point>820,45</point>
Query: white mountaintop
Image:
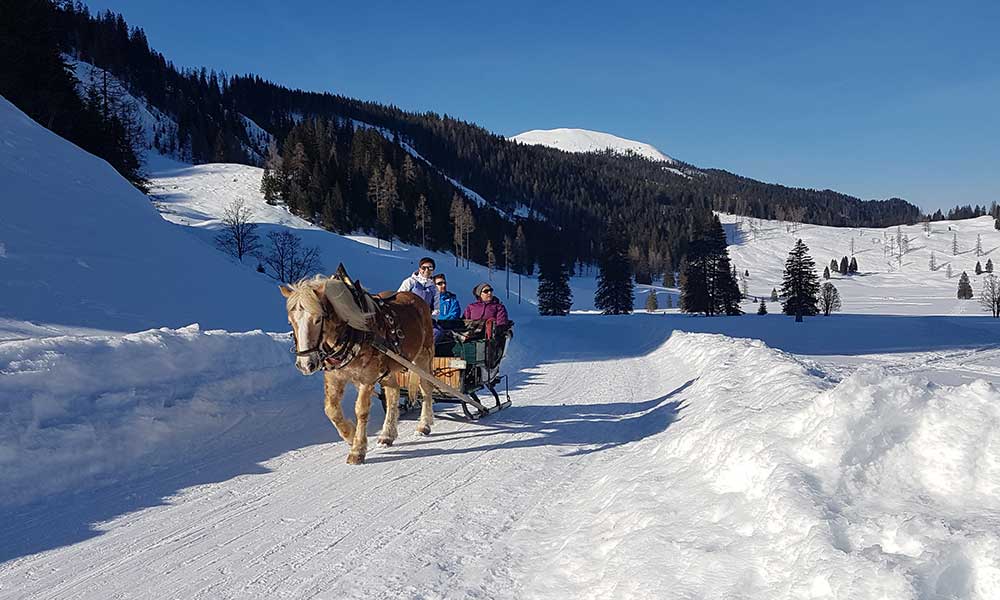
<point>584,140</point>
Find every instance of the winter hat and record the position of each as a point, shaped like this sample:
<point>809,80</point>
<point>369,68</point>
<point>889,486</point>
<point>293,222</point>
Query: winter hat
<point>479,288</point>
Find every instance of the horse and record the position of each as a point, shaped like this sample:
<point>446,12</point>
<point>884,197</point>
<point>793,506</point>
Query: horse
<point>334,323</point>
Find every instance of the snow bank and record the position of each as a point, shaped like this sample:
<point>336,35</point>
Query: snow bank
<point>76,411</point>
<point>777,482</point>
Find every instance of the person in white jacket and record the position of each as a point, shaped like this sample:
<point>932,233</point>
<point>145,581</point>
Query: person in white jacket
<point>421,283</point>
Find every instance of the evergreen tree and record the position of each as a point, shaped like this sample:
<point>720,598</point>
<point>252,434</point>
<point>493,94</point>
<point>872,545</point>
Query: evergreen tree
<point>614,294</point>
<point>845,266</point>
<point>774,295</point>
<point>932,263</point>
<point>954,244</point>
<point>423,218</point>
<point>964,287</point>
<point>979,268</point>
<point>853,267</point>
<point>834,266</point>
<point>800,285</point>
<point>708,285</point>
<point>989,265</point>
<point>826,272</point>
<point>651,302</point>
<point>762,309</point>
<point>668,278</point>
<point>554,294</point>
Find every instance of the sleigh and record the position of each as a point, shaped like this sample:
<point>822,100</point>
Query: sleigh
<point>466,363</point>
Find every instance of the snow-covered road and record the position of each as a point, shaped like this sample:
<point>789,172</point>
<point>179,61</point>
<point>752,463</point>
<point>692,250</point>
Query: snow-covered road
<point>428,518</point>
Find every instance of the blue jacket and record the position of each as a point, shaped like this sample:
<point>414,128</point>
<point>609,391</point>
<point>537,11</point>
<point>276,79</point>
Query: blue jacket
<point>450,308</point>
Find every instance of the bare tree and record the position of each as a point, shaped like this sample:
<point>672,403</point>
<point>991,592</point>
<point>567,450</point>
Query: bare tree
<point>239,233</point>
<point>423,217</point>
<point>287,260</point>
<point>989,297</point>
<point>829,299</point>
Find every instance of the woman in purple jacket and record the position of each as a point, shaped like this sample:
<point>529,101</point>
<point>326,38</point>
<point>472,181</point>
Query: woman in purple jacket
<point>486,306</point>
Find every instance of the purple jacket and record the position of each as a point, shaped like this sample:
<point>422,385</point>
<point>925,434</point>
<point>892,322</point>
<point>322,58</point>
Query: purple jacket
<point>482,311</point>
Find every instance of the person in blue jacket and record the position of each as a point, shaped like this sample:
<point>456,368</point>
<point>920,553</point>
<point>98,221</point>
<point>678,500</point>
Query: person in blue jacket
<point>450,307</point>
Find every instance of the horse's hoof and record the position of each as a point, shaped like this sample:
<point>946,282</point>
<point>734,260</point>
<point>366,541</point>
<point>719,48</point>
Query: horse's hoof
<point>423,429</point>
<point>385,442</point>
<point>355,458</point>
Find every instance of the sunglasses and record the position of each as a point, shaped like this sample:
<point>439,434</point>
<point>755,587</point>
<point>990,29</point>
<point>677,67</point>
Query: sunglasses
<point>440,283</point>
<point>426,267</point>
<point>486,291</point>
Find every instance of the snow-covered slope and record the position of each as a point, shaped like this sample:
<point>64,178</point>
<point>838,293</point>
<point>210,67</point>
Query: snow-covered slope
<point>884,284</point>
<point>583,140</point>
<point>83,248</point>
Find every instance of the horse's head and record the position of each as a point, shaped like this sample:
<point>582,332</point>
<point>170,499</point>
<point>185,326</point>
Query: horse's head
<point>309,314</point>
<point>318,310</point>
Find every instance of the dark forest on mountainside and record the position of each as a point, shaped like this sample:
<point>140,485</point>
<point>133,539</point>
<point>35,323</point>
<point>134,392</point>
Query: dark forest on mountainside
<point>342,163</point>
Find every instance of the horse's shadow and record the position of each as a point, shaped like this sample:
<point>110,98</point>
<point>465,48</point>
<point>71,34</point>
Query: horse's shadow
<point>578,428</point>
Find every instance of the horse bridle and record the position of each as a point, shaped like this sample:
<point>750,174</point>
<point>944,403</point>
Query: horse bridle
<point>337,356</point>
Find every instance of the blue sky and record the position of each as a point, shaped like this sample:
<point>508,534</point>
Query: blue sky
<point>872,99</point>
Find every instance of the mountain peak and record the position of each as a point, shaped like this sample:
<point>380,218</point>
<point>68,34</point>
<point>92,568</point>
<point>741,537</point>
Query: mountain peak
<point>584,140</point>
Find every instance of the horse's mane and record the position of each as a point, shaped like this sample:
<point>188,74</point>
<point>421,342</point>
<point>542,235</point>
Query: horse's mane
<point>337,293</point>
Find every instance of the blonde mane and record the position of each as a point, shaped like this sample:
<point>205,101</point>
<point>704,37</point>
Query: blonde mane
<point>304,295</point>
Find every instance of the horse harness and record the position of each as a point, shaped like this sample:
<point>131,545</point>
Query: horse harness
<point>348,345</point>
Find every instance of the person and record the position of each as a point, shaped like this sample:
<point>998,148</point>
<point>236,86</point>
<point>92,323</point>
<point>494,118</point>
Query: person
<point>450,306</point>
<point>422,284</point>
<point>486,306</point>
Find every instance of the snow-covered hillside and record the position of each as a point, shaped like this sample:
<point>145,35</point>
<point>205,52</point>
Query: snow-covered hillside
<point>83,248</point>
<point>583,140</point>
<point>645,456</point>
<point>885,283</point>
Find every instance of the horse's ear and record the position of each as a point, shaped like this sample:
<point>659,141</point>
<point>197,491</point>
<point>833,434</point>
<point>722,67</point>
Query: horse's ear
<point>341,274</point>
<point>285,290</point>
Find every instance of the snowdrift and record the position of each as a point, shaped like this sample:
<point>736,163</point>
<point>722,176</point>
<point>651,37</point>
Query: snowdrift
<point>779,482</point>
<point>83,248</point>
<point>66,425</point>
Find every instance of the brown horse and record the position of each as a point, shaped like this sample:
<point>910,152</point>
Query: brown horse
<point>332,332</point>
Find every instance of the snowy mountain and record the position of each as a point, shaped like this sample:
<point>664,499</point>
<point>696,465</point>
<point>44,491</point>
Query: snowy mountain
<point>645,456</point>
<point>583,140</point>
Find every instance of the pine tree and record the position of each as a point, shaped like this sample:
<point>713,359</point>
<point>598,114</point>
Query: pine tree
<point>853,267</point>
<point>651,303</point>
<point>845,266</point>
<point>834,266</point>
<point>774,295</point>
<point>708,284</point>
<point>554,295</point>
<point>932,263</point>
<point>800,285</point>
<point>964,287</point>
<point>521,259</point>
<point>614,294</point>
<point>979,268</point>
<point>989,265</point>
<point>954,244</point>
<point>668,278</point>
<point>762,309</point>
<point>826,272</point>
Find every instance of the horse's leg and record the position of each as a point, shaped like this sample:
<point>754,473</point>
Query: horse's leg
<point>363,405</point>
<point>334,388</point>
<point>389,430</point>
<point>425,360</point>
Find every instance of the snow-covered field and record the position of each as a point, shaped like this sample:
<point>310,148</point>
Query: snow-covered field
<point>645,456</point>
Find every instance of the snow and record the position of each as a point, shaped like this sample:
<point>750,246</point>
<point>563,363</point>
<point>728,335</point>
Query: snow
<point>583,140</point>
<point>645,456</point>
